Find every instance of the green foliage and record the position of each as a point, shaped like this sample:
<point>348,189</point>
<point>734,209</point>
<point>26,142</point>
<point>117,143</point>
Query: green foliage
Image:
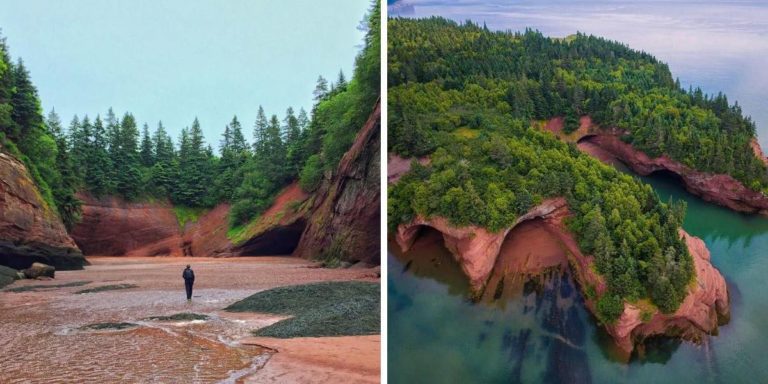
<point>319,309</point>
<point>186,215</point>
<point>486,83</point>
<point>530,76</point>
<point>609,308</point>
<point>312,174</point>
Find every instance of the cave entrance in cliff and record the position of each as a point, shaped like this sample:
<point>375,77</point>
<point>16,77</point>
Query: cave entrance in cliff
<point>585,139</point>
<point>279,241</point>
<point>530,250</point>
<point>667,177</point>
<point>428,257</point>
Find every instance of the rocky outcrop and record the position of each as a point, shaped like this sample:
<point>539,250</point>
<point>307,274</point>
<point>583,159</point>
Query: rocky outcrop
<point>606,145</point>
<point>39,270</point>
<point>343,220</point>
<point>30,231</point>
<point>703,310</point>
<point>111,226</point>
<point>716,188</point>
<point>476,250</point>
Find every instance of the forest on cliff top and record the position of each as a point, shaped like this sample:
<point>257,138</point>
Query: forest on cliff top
<point>112,156</point>
<point>467,97</point>
<point>531,76</point>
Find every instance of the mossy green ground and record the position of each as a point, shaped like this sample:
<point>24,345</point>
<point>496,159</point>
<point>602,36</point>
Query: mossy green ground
<point>28,288</point>
<point>186,316</point>
<point>186,215</point>
<point>320,309</point>
<point>7,275</point>
<point>107,326</point>
<point>110,287</point>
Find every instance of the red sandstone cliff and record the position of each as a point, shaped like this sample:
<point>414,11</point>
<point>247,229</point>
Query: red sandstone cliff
<point>476,251</point>
<point>716,188</point>
<point>344,214</point>
<point>30,231</point>
<point>110,226</point>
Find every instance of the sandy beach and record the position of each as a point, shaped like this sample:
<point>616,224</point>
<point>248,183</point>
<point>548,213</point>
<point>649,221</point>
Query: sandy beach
<point>43,339</point>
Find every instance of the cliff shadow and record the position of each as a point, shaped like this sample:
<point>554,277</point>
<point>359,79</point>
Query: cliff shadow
<point>429,258</point>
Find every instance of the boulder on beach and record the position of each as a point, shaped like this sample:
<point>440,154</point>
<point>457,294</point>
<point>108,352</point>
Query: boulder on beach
<point>7,275</point>
<point>38,270</point>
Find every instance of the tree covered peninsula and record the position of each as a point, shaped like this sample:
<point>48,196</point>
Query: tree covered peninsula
<point>469,99</point>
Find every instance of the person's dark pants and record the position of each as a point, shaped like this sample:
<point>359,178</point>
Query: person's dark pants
<point>188,285</point>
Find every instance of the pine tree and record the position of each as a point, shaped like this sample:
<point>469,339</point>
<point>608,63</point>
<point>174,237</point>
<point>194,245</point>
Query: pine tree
<point>128,173</point>
<point>64,193</point>
<point>321,89</point>
<point>341,82</point>
<point>146,155</point>
<point>260,133</point>
<point>98,181</point>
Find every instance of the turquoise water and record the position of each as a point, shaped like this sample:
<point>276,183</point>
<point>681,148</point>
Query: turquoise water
<point>544,333</point>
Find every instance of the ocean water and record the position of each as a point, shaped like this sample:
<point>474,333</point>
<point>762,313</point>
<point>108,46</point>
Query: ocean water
<point>540,331</point>
<point>543,333</point>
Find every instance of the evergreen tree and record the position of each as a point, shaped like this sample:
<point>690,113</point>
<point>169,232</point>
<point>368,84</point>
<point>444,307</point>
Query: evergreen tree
<point>64,193</point>
<point>260,132</point>
<point>128,173</point>
<point>146,155</point>
<point>99,165</point>
<point>321,88</point>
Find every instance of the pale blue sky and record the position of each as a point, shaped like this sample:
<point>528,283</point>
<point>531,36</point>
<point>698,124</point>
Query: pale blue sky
<point>172,60</point>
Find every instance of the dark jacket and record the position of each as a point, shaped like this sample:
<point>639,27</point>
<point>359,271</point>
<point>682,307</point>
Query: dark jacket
<point>188,275</point>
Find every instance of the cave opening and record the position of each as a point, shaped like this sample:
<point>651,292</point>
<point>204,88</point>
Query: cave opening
<point>282,240</point>
<point>586,138</point>
<point>429,257</point>
<point>667,176</point>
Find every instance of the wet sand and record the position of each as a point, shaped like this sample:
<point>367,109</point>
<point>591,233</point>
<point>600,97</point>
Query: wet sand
<point>41,340</point>
<point>351,359</point>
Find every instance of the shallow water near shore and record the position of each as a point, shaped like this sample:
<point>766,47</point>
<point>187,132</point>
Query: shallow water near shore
<point>43,339</point>
<point>543,333</point>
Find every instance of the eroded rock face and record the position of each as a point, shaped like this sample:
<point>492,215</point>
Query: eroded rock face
<point>476,250</point>
<point>716,188</point>
<point>344,216</point>
<point>29,230</point>
<point>111,226</point>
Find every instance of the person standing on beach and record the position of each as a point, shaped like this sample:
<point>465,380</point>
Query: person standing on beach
<point>189,280</point>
